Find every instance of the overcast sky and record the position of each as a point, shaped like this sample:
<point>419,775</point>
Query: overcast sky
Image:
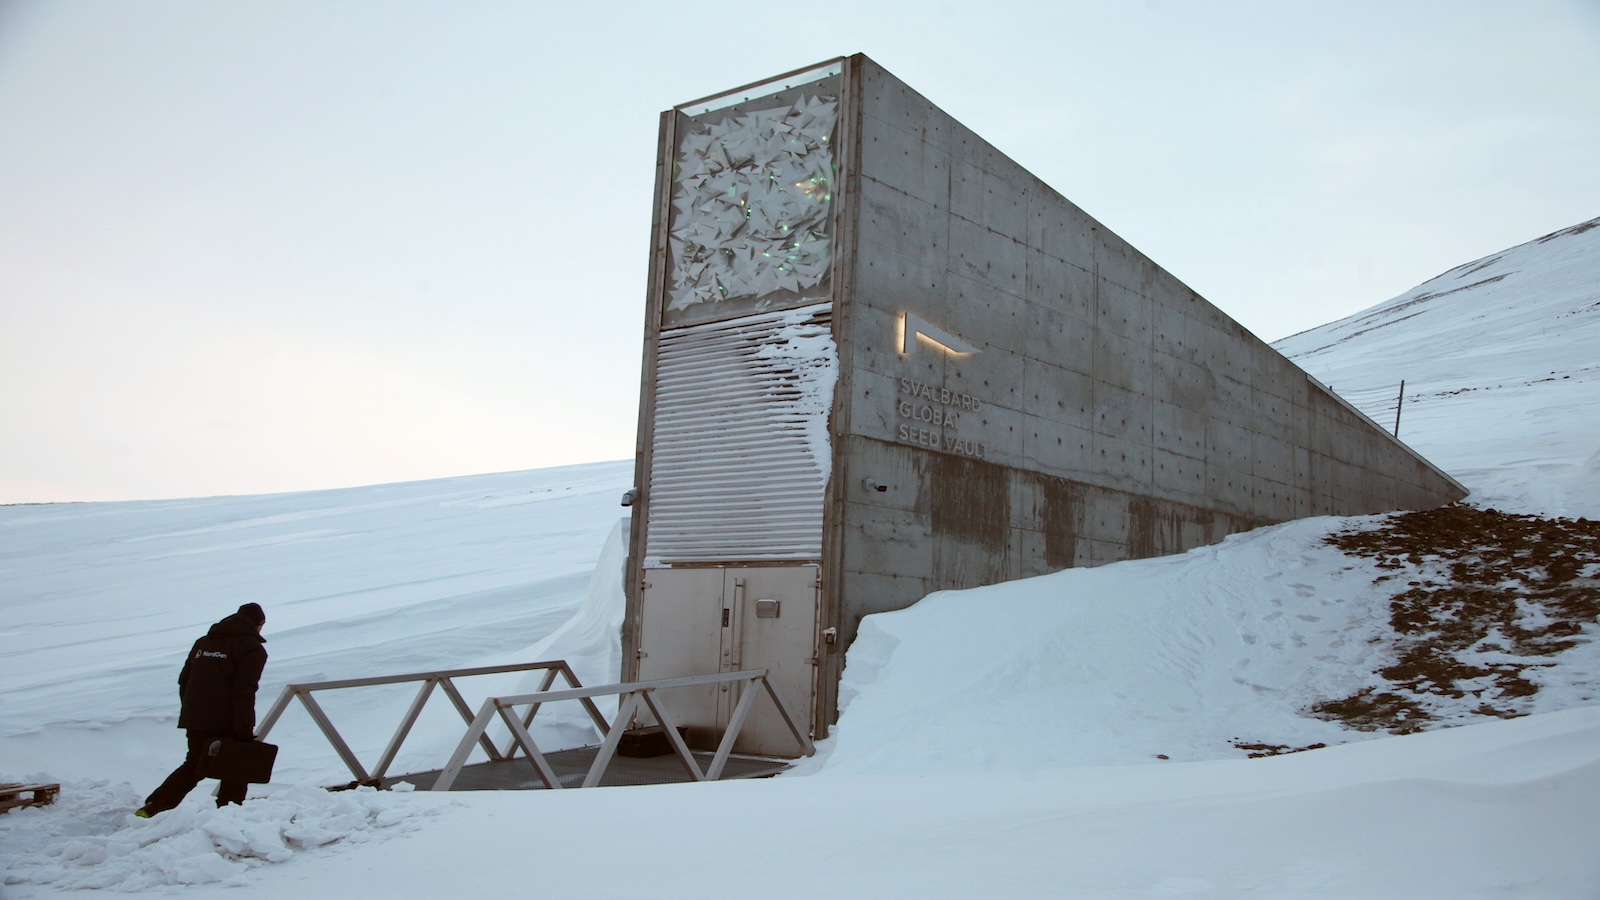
<point>270,246</point>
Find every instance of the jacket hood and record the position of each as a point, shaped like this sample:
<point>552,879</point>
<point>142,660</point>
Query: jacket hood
<point>236,624</point>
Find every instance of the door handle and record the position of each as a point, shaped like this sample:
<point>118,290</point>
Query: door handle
<point>736,660</point>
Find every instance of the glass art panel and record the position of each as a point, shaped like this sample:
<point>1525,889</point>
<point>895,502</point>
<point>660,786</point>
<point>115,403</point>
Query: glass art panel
<point>752,205</point>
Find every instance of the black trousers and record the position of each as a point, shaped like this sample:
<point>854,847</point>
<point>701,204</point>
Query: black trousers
<point>185,777</point>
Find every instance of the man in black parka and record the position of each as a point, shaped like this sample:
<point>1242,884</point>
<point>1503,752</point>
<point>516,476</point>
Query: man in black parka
<point>218,689</point>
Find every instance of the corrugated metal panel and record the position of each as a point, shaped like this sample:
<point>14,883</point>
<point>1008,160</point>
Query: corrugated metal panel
<point>740,452</point>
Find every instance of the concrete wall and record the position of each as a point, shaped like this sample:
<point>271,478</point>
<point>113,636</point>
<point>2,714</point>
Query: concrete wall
<point>1110,412</point>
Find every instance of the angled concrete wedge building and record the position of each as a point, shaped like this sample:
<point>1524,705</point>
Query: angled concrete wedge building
<point>882,359</point>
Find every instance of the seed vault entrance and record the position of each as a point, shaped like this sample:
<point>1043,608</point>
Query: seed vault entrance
<point>740,371</point>
<point>695,621</point>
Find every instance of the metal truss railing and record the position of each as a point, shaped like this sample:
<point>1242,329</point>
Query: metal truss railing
<point>631,697</point>
<point>442,679</point>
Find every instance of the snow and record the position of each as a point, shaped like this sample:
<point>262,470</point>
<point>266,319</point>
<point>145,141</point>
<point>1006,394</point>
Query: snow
<point>808,349</point>
<point>1490,810</point>
<point>1076,734</point>
<point>1233,640</point>
<point>77,844</point>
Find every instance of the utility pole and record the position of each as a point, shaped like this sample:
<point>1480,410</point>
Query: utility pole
<point>1399,402</point>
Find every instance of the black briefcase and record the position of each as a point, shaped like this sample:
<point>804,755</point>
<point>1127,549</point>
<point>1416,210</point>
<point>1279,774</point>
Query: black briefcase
<point>231,760</point>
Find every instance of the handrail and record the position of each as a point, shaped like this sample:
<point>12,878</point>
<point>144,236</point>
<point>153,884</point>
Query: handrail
<point>630,696</point>
<point>442,678</point>
<point>439,673</point>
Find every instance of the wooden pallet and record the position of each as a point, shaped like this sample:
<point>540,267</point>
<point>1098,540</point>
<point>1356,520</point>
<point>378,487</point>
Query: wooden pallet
<point>11,795</point>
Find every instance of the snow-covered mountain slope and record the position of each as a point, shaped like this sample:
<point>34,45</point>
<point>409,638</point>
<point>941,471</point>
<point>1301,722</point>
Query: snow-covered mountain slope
<point>1501,363</point>
<point>100,599</point>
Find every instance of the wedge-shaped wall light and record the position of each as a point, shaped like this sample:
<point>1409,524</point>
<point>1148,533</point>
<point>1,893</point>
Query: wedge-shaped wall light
<point>913,326</point>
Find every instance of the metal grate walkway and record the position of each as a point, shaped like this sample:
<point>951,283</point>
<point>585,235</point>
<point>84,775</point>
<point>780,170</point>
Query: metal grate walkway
<point>572,765</point>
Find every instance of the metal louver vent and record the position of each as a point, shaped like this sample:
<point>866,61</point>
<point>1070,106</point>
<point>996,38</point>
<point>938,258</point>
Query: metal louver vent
<point>741,452</point>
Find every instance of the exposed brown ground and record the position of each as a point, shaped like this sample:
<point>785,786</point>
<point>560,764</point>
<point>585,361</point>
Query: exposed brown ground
<point>1489,595</point>
<point>1259,750</point>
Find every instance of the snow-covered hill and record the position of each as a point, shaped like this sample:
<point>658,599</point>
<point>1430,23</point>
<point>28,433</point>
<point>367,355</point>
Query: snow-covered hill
<point>1501,363</point>
<point>1085,733</point>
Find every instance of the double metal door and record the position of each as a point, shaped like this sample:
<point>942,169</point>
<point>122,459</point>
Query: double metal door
<point>703,620</point>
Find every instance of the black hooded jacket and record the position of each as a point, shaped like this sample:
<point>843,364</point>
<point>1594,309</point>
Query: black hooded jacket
<point>219,679</point>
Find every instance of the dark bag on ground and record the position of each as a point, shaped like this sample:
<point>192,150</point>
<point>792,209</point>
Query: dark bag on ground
<point>231,760</point>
